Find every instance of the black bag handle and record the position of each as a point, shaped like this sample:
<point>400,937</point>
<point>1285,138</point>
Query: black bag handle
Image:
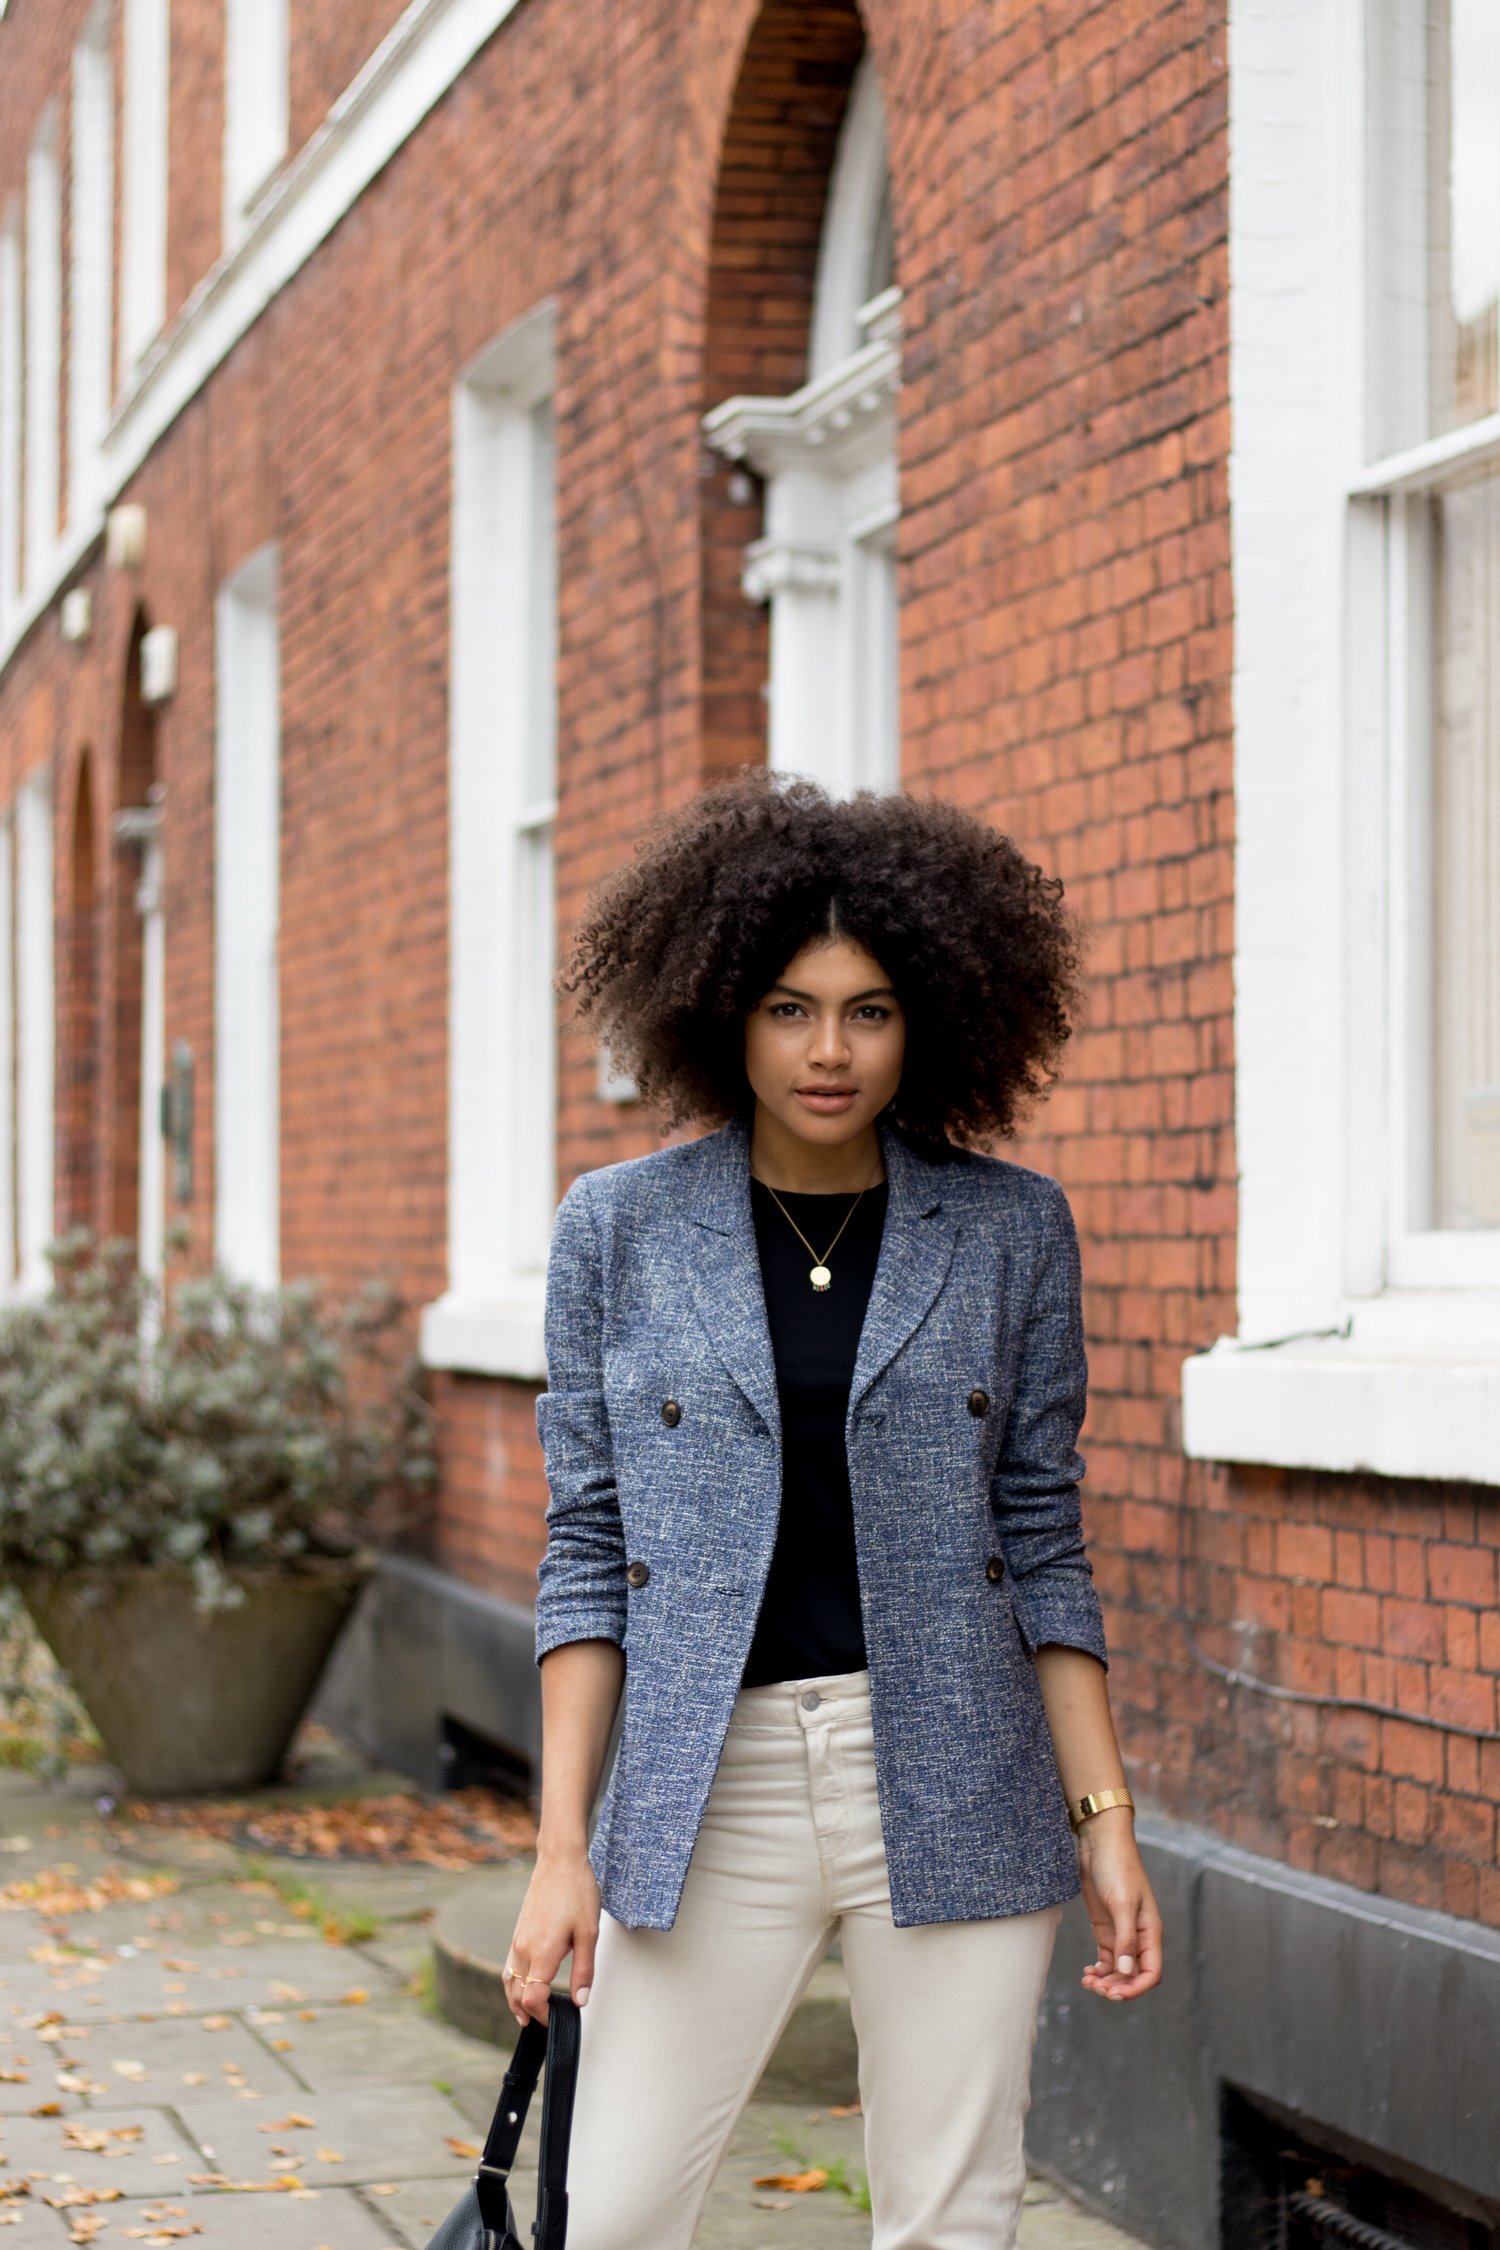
<point>556,2043</point>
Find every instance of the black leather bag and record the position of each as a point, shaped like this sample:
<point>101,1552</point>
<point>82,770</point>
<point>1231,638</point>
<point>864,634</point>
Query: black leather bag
<point>483,2219</point>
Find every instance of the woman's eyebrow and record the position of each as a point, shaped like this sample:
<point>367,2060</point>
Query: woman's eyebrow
<point>876,992</point>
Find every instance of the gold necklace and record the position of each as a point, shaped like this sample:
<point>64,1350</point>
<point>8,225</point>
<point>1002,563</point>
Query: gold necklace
<point>820,1277</point>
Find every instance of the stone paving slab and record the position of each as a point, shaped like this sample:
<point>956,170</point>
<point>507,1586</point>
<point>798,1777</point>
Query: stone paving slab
<point>136,2061</point>
<point>379,2133</point>
<point>386,2043</point>
<point>203,1980</point>
<point>323,2221</point>
<point>31,2226</point>
<point>384,2083</point>
<point>160,2161</point>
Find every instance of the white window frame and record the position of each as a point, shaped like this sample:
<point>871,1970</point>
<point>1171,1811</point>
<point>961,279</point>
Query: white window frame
<point>144,182</point>
<point>7,1057</point>
<point>247,855</point>
<point>1361,1344</point>
<point>36,1000</point>
<point>502,1014</point>
<point>92,257</point>
<point>12,363</point>
<point>826,562</point>
<point>44,285</point>
<point>256,106</point>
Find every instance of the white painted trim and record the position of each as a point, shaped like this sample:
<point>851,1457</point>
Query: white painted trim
<point>44,303</point>
<point>421,58</point>
<point>1393,1381</point>
<point>1327,1406</point>
<point>502,784</point>
<point>494,1336</point>
<point>1420,467</point>
<point>11,383</point>
<point>856,188</point>
<point>35,1033</point>
<point>257,105</point>
<point>151,1227</point>
<point>247,869</point>
<point>7,1058</point>
<point>91,279</point>
<point>145,142</point>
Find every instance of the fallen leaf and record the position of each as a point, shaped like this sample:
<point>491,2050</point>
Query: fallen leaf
<point>355,1997</point>
<point>846,2109</point>
<point>796,2183</point>
<point>217,2023</point>
<point>462,2148</point>
<point>329,2156</point>
<point>292,2122</point>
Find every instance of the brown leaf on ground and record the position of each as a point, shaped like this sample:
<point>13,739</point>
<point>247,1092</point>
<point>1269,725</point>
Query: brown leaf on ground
<point>462,2148</point>
<point>97,2140</point>
<point>796,2183</point>
<point>56,1890</point>
<point>846,2109</point>
<point>464,1828</point>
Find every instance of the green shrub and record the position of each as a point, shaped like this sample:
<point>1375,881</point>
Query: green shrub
<point>211,1425</point>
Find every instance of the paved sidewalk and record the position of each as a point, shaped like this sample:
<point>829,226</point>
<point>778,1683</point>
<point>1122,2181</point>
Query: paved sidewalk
<point>196,2062</point>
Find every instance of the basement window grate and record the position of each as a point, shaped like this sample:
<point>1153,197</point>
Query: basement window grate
<point>1289,2185</point>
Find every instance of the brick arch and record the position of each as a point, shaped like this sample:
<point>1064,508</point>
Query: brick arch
<point>120,1105</point>
<point>775,161</point>
<point>80,1007</point>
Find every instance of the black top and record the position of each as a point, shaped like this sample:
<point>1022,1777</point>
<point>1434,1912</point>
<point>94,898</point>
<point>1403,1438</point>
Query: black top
<point>810,1620</point>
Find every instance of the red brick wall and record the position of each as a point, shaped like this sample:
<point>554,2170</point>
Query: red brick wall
<point>1060,206</point>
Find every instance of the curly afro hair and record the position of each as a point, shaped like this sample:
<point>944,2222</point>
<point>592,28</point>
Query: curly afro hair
<point>680,944</point>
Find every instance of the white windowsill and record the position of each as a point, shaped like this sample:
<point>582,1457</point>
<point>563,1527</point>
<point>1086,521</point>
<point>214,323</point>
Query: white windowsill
<point>1382,1405</point>
<point>498,1335</point>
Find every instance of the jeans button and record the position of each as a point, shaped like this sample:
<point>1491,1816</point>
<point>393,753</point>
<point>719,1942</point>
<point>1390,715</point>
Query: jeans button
<point>811,1700</point>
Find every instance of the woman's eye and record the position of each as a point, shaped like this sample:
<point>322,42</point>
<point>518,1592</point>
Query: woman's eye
<point>785,1008</point>
<point>875,1012</point>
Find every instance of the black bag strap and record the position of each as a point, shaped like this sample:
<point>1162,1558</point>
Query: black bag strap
<point>556,2043</point>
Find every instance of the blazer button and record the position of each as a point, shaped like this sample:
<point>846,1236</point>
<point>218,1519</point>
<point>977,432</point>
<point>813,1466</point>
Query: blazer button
<point>979,1403</point>
<point>671,1412</point>
<point>637,1573</point>
<point>994,1569</point>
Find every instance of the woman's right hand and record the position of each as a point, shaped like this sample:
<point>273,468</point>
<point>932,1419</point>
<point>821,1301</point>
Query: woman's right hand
<point>559,1914</point>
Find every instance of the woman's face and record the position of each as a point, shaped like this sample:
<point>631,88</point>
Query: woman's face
<point>824,1047</point>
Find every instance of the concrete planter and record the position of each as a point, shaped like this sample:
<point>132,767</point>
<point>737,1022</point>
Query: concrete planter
<point>188,1700</point>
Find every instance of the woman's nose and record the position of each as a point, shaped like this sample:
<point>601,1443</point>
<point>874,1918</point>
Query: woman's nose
<point>830,1042</point>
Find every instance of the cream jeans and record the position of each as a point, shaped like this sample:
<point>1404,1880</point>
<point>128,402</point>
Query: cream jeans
<point>681,2022</point>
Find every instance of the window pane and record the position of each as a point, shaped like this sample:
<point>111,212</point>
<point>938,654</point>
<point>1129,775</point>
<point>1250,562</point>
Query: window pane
<point>1434,216</point>
<point>1466,806</point>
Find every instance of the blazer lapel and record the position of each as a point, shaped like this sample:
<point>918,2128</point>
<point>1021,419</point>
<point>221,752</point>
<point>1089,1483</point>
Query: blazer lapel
<point>726,1271</point>
<point>916,1251</point>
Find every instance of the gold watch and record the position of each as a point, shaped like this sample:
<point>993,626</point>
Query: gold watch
<point>1083,1808</point>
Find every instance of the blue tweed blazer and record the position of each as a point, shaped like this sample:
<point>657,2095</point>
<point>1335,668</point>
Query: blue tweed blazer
<point>966,1513</point>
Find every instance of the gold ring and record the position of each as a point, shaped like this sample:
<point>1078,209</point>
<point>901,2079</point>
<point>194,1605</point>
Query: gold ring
<point>531,1980</point>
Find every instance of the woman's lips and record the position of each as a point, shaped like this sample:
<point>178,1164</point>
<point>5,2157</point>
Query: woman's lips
<point>828,1100</point>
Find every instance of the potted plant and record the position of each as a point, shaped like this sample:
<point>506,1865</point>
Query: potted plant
<point>193,1486</point>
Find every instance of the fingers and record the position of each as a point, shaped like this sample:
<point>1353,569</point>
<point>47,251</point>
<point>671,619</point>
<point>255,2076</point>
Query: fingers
<point>583,1965</point>
<point>1128,1932</point>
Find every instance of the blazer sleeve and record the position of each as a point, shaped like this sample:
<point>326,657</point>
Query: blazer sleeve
<point>581,1593</point>
<point>1034,1490</point>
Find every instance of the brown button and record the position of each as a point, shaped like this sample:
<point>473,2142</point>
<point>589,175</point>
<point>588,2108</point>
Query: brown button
<point>637,1573</point>
<point>979,1402</point>
<point>994,1569</point>
<point>671,1412</point>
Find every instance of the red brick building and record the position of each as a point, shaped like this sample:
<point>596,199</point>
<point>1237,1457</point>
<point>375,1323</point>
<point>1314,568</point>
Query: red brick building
<point>435,437</point>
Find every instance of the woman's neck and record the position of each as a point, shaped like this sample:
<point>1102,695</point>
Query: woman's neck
<point>784,1160</point>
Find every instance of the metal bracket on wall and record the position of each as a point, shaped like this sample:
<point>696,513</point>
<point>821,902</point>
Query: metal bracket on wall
<point>177,1119</point>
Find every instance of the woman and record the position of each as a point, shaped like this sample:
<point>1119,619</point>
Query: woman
<point>815,1382</point>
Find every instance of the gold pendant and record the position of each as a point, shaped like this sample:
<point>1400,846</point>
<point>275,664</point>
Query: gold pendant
<point>820,1277</point>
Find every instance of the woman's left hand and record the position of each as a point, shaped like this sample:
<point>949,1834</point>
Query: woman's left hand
<point>1121,1906</point>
